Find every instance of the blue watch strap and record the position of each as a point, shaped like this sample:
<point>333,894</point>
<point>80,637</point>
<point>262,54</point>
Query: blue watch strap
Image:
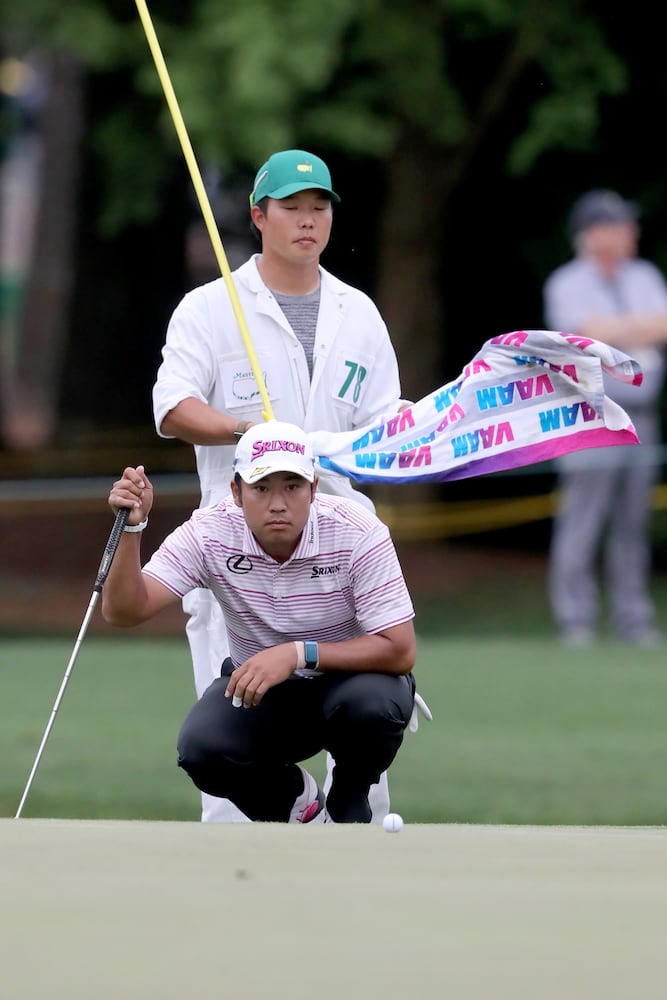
<point>311,653</point>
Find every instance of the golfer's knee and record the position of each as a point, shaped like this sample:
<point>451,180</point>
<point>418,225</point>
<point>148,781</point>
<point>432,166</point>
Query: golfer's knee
<point>193,757</point>
<point>206,767</point>
<point>374,710</point>
<point>196,752</point>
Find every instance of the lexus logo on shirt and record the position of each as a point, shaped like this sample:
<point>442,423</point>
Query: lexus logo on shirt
<point>239,564</point>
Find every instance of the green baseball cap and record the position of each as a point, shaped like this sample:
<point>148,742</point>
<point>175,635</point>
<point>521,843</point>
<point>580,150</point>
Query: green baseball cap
<point>290,171</point>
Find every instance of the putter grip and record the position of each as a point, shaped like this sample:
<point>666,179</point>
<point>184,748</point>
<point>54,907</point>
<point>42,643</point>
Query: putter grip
<point>111,546</point>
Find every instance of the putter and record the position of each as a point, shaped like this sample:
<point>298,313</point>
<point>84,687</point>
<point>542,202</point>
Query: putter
<point>102,573</point>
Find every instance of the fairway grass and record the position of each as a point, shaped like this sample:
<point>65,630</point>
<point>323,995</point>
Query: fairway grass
<point>165,910</point>
<point>524,732</point>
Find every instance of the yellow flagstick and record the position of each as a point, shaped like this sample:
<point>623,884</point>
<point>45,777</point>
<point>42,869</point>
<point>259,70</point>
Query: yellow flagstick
<point>204,203</point>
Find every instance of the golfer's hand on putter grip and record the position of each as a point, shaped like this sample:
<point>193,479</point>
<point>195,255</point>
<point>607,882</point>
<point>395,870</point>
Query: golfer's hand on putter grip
<point>133,490</point>
<point>250,682</point>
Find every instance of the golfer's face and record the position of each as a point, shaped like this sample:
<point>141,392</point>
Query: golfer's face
<point>276,509</point>
<point>297,228</point>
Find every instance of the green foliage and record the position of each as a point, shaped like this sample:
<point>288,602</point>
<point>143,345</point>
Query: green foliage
<point>128,174</point>
<point>405,51</point>
<point>243,73</point>
<point>354,74</point>
<point>82,26</point>
<point>349,124</point>
<point>579,70</point>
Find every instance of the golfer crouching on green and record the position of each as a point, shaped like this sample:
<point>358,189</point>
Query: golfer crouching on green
<point>320,630</point>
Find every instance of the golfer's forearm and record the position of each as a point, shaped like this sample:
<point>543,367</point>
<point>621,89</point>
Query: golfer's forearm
<point>124,595</point>
<point>197,423</point>
<point>371,653</point>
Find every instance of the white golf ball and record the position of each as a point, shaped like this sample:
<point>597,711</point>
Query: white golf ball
<point>392,822</point>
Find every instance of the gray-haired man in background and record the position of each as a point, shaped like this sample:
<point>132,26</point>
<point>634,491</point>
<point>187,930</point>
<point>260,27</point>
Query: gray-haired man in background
<point>608,294</point>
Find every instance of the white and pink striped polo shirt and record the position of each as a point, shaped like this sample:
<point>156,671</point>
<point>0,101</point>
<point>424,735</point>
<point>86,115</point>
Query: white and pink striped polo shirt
<point>343,580</point>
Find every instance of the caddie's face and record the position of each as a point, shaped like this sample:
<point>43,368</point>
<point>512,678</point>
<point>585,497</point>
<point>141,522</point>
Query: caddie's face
<point>276,510</point>
<point>295,229</point>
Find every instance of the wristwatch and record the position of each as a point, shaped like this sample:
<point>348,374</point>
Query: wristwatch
<point>312,654</point>
<point>241,428</point>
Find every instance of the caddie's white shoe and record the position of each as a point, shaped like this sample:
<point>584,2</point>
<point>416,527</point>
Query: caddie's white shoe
<point>310,803</point>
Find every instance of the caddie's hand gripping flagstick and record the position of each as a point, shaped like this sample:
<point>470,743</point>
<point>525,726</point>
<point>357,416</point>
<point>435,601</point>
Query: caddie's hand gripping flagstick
<point>202,197</point>
<point>102,573</point>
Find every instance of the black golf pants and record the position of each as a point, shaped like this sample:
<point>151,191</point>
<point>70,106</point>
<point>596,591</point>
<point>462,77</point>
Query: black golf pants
<point>249,755</point>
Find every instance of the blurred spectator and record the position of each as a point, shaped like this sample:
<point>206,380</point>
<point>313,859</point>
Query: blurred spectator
<point>22,93</point>
<point>610,295</point>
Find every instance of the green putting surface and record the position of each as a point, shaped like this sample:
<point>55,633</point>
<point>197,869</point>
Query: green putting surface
<point>106,909</point>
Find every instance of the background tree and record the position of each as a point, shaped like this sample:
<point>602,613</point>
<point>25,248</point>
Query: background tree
<point>409,97</point>
<point>415,85</point>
